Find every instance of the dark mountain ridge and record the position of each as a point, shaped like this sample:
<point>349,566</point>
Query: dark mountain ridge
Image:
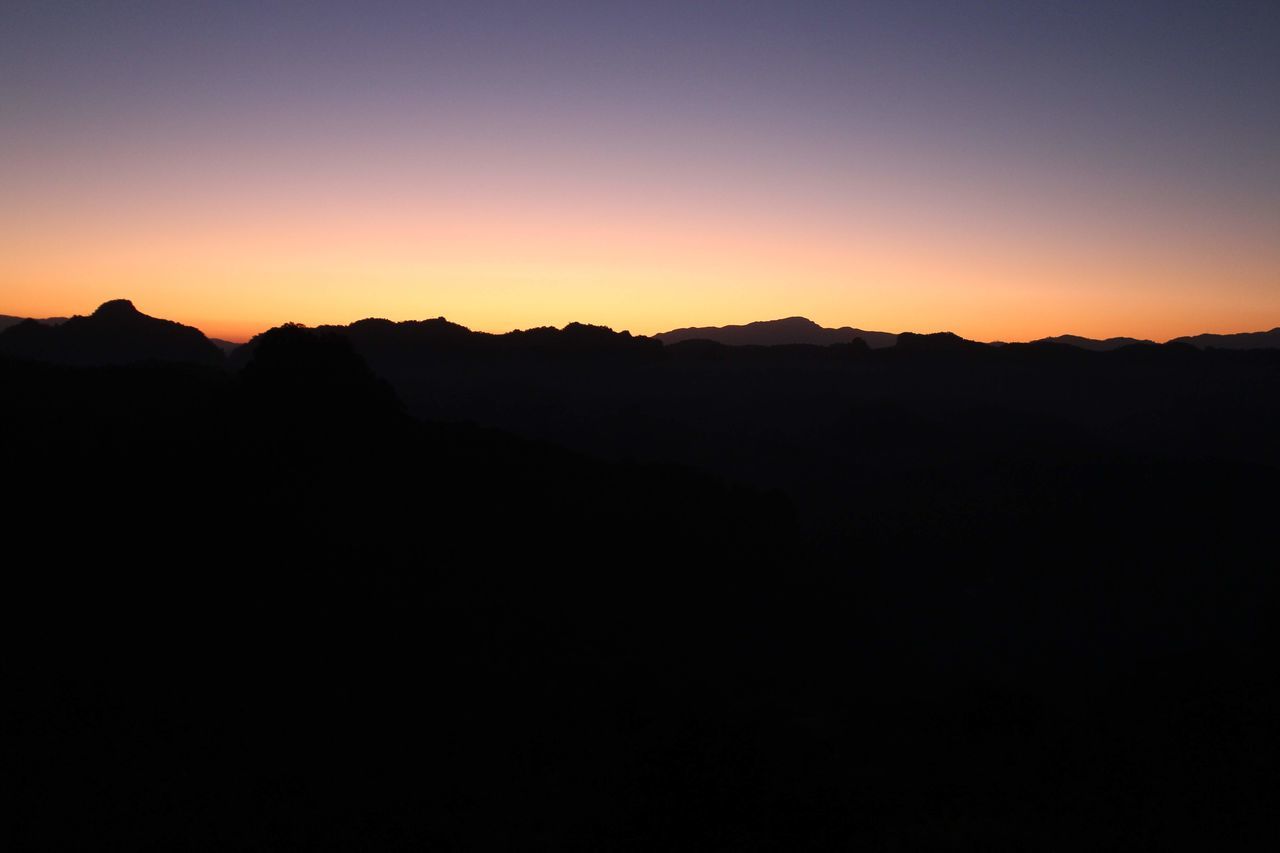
<point>1092,343</point>
<point>790,330</point>
<point>388,343</point>
<point>116,333</point>
<point>1243,340</point>
<point>7,320</point>
<point>800,330</point>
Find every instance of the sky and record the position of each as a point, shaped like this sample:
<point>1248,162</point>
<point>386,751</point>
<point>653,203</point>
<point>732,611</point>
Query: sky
<point>1005,171</point>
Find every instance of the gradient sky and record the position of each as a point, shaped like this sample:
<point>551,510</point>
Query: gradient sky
<point>1001,170</point>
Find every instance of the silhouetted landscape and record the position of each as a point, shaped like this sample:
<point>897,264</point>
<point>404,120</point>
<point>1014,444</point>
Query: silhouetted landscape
<point>410,586</point>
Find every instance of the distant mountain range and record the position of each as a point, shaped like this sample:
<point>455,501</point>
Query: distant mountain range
<point>791,330</point>
<point>1243,340</point>
<point>118,333</point>
<point>800,330</point>
<point>1092,343</point>
<point>7,320</point>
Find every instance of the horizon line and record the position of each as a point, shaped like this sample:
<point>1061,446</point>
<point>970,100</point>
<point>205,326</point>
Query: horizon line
<point>241,338</point>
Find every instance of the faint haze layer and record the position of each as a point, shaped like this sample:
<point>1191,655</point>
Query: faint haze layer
<point>1003,170</point>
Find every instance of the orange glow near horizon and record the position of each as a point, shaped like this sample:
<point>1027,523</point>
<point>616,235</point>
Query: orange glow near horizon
<point>1001,173</point>
<point>501,266</point>
<point>891,240</point>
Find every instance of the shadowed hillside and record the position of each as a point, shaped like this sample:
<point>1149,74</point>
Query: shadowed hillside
<point>406,586</point>
<point>817,422</point>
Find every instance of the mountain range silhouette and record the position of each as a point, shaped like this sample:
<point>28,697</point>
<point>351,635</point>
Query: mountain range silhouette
<point>104,340</point>
<point>1244,340</point>
<point>409,586</point>
<point>7,320</point>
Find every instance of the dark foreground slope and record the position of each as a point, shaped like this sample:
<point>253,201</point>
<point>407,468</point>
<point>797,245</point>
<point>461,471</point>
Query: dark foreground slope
<point>270,609</point>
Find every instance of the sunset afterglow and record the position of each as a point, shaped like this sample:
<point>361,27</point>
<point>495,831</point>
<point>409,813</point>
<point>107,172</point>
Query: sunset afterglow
<point>539,164</point>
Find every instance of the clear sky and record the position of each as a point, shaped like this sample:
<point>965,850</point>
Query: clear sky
<point>1001,170</point>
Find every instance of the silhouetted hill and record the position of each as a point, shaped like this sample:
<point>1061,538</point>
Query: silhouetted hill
<point>792,330</point>
<point>226,346</point>
<point>116,333</point>
<point>7,320</point>
<point>938,342</point>
<point>314,380</point>
<point>578,339</point>
<point>1098,345</point>
<point>392,346</point>
<point>1243,340</point>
